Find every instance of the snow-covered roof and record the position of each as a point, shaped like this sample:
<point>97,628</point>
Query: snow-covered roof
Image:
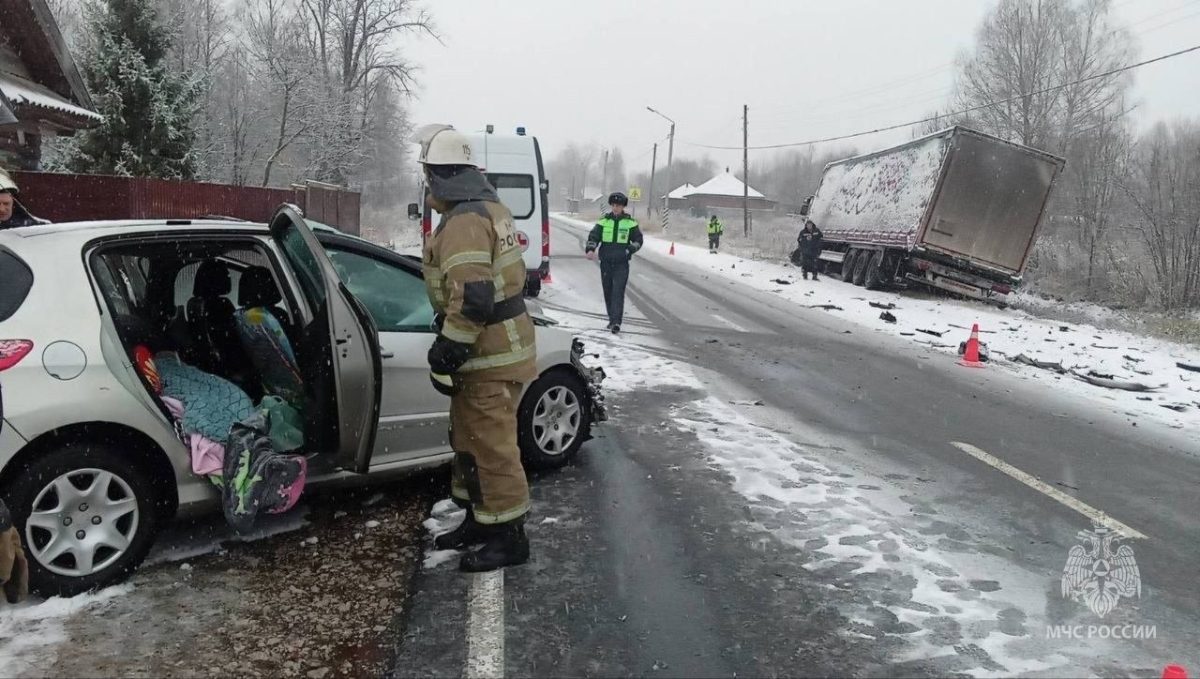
<point>725,185</point>
<point>682,192</point>
<point>22,92</point>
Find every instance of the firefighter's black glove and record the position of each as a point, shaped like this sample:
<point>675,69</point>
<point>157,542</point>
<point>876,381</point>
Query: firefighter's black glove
<point>445,358</point>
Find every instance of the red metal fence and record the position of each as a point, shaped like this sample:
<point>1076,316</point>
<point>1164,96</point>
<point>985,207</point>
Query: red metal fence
<point>79,197</point>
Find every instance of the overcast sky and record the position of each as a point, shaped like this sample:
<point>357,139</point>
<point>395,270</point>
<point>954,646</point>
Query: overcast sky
<point>584,70</point>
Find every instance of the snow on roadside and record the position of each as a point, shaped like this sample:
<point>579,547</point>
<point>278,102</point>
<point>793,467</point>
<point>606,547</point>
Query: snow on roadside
<point>1007,332</point>
<point>30,632</point>
<point>443,518</point>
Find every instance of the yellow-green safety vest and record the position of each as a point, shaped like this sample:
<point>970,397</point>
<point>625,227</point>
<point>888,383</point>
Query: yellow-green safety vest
<point>616,231</point>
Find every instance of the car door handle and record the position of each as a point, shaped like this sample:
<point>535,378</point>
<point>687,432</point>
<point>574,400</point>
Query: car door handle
<point>387,354</point>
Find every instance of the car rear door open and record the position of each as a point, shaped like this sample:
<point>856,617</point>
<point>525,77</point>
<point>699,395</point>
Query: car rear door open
<point>341,326</point>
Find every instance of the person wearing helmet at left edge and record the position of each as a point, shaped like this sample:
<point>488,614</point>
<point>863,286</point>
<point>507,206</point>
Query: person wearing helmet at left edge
<point>12,214</point>
<point>614,239</point>
<point>484,352</point>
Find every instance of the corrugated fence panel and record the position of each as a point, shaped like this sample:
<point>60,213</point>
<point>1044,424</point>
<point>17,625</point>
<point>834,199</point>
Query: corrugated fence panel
<point>77,197</point>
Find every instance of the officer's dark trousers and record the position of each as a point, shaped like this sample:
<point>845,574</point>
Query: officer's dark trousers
<point>613,277</point>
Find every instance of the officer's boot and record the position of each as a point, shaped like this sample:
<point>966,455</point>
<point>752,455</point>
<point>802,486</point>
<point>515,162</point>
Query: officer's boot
<point>468,533</point>
<point>505,545</point>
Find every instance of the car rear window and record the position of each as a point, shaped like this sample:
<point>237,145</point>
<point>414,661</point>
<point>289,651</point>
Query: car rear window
<point>18,279</point>
<point>516,192</point>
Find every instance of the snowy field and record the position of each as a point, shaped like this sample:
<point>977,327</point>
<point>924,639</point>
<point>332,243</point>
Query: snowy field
<point>1173,397</point>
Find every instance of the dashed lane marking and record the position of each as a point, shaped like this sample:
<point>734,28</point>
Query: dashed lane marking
<point>729,323</point>
<point>1037,484</point>
<point>485,627</point>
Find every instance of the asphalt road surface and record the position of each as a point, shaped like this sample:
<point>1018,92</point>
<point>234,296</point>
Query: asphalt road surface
<point>780,492</point>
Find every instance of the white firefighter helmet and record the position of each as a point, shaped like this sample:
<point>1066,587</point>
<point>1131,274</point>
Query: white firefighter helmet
<point>443,145</point>
<point>6,182</point>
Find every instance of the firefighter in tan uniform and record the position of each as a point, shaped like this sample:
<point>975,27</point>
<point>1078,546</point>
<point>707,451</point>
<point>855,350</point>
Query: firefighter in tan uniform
<point>484,353</point>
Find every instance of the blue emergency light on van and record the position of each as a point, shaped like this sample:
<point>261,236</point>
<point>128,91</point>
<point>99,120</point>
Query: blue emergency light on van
<point>520,132</point>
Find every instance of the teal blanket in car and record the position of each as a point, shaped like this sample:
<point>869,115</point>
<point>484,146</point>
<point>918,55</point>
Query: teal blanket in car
<point>211,404</point>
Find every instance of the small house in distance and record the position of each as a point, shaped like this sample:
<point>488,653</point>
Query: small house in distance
<point>725,191</point>
<point>41,90</point>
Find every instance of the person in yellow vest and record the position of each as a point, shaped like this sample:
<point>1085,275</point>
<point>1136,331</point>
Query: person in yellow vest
<point>715,229</point>
<point>484,353</point>
<point>614,239</point>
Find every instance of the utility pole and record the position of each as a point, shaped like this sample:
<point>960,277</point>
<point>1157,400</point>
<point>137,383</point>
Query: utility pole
<point>604,177</point>
<point>650,199</point>
<point>745,169</point>
<point>666,215</point>
<point>670,154</point>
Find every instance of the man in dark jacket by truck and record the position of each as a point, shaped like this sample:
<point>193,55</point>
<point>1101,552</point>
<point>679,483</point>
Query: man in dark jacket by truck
<point>810,248</point>
<point>616,237</point>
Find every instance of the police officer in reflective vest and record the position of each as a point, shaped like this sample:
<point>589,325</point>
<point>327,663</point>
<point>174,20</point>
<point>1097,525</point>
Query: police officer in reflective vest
<point>615,238</point>
<point>484,352</point>
<point>715,229</point>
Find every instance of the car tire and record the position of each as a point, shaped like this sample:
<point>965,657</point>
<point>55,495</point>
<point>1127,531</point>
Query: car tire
<point>533,287</point>
<point>556,399</point>
<point>861,263</point>
<point>848,263</point>
<point>40,487</point>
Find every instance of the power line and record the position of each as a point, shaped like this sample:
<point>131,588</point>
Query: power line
<point>1047,90</point>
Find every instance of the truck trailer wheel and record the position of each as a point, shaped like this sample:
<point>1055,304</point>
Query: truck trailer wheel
<point>873,278</point>
<point>848,265</point>
<point>860,266</point>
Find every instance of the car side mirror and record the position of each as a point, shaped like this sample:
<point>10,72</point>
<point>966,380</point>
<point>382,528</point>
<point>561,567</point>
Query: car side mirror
<point>414,211</point>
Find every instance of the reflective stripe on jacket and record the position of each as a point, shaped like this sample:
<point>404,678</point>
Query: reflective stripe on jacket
<point>472,262</point>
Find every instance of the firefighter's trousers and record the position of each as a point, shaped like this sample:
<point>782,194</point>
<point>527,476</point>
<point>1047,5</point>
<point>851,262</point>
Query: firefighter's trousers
<point>487,469</point>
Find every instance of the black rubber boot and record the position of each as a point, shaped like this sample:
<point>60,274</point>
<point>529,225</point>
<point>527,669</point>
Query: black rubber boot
<point>505,545</point>
<point>616,329</point>
<point>468,533</point>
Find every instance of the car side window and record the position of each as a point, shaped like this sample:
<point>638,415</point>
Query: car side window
<point>308,270</point>
<point>394,296</point>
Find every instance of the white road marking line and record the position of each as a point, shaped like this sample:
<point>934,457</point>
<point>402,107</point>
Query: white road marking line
<point>485,627</point>
<point>730,323</point>
<point>1037,484</point>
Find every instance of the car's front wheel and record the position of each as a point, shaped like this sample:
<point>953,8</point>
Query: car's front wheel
<point>553,420</point>
<point>87,517</point>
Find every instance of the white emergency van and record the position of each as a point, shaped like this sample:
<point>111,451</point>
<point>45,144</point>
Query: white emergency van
<point>513,164</point>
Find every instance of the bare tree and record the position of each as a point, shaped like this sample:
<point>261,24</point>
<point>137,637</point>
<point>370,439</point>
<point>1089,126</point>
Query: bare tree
<point>1017,53</point>
<point>1165,189</point>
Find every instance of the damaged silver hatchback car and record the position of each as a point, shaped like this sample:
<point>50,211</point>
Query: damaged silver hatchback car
<point>91,461</point>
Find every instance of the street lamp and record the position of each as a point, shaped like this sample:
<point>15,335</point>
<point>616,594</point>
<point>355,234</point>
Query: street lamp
<point>670,155</point>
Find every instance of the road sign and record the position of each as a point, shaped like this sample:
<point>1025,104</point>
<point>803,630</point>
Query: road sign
<point>635,193</point>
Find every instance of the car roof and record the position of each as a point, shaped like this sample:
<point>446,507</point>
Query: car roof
<point>81,232</point>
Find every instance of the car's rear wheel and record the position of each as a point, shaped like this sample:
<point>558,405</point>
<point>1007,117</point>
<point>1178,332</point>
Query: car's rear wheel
<point>87,517</point>
<point>553,420</point>
<point>533,287</point>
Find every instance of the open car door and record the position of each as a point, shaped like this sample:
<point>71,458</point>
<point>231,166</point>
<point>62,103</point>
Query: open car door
<point>336,319</point>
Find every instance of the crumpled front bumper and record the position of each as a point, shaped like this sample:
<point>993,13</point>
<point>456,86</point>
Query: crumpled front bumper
<point>593,378</point>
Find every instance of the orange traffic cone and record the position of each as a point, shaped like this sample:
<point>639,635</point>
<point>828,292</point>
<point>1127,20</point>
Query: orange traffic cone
<point>970,357</point>
<point>672,252</point>
<point>1174,672</point>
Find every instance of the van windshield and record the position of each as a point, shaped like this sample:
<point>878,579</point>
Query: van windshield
<point>516,192</point>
